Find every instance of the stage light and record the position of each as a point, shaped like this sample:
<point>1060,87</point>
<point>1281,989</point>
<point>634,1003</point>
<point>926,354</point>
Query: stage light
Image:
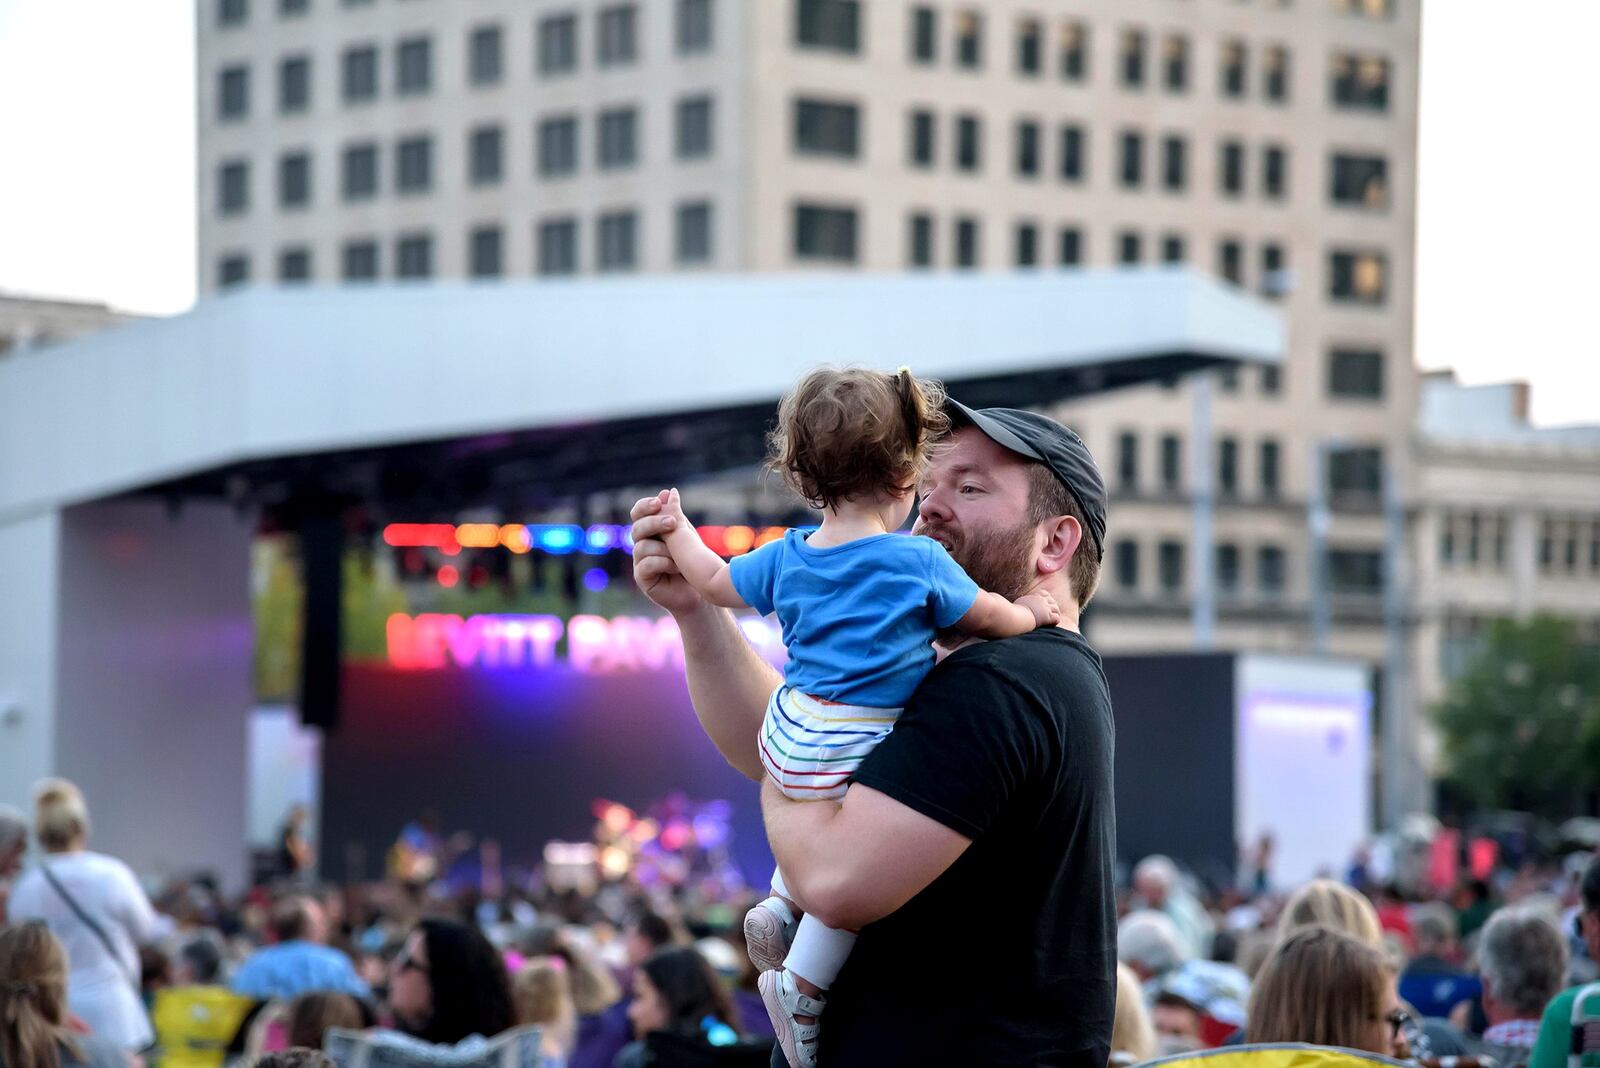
<point>595,579</point>
<point>478,535</point>
<point>449,576</point>
<point>771,534</point>
<point>598,539</point>
<point>441,536</point>
<point>738,540</point>
<point>556,538</point>
<point>514,536</point>
<point>713,537</point>
<point>477,576</point>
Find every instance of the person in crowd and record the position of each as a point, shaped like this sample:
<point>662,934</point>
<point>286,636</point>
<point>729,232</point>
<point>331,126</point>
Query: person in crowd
<point>298,961</point>
<point>311,1015</point>
<point>1150,943</point>
<point>1434,982</point>
<point>676,994</point>
<point>197,1017</point>
<point>33,1007</point>
<point>1555,1028</point>
<point>97,908</point>
<point>602,1027</point>
<point>13,845</point>
<point>295,1058</point>
<point>542,993</point>
<point>1133,1036</point>
<point>1522,960</point>
<point>295,855</point>
<point>1328,988</point>
<point>1474,906</point>
<point>1330,904</point>
<point>448,983</point>
<point>648,934</point>
<point>1176,1020</point>
<point>1157,881</point>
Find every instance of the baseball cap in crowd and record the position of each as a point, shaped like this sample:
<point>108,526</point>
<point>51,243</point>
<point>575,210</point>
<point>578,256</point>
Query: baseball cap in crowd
<point>1038,437</point>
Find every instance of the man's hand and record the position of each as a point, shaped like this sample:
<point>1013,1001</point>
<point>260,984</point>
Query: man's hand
<point>653,569</point>
<point>1046,613</point>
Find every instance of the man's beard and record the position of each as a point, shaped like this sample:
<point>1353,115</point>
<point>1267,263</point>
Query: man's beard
<point>1000,561</point>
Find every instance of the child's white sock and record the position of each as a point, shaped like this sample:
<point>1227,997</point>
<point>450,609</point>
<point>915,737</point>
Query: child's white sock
<point>819,952</point>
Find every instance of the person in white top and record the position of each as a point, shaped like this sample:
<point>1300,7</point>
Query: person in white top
<point>95,906</point>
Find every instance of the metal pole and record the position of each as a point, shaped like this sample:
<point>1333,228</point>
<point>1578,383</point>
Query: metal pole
<point>1400,793</point>
<point>1202,543</point>
<point>1318,521</point>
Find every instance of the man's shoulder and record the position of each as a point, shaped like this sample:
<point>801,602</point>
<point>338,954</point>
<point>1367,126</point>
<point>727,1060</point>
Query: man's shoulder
<point>1008,661</point>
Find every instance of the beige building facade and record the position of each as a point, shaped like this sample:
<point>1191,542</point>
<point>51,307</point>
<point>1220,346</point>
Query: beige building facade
<point>28,323</point>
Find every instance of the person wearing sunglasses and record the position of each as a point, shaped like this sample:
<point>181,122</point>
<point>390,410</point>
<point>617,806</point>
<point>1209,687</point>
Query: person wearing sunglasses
<point>448,983</point>
<point>1327,988</point>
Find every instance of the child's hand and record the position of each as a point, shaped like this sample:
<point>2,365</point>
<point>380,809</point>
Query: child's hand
<point>672,505</point>
<point>1046,613</point>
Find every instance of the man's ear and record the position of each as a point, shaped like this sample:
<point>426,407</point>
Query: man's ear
<point>1062,537</point>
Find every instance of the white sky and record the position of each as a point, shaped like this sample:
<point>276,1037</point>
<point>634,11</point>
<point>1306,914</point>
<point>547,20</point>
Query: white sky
<point>97,176</point>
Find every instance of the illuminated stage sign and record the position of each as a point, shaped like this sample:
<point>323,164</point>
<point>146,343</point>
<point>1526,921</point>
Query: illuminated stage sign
<point>588,644</point>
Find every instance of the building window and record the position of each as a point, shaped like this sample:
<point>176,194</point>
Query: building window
<point>822,128</point>
<point>1072,154</point>
<point>414,165</point>
<point>1074,52</point>
<point>919,240</point>
<point>1174,164</point>
<point>294,180</point>
<point>1230,169</point>
<point>969,39</point>
<point>485,153</point>
<point>1228,379</point>
<point>291,8</point>
<point>1169,566</point>
<point>414,59</point>
<point>1230,260</point>
<point>967,243</point>
<point>1130,169</point>
<point>1276,74</point>
<point>694,27</point>
<point>619,138</point>
<point>1360,82</point>
<point>233,270</point>
<point>1357,277</point>
<point>1359,181</point>
<point>1367,9</point>
<point>824,233</point>
<point>413,257</point>
<point>1027,245</point>
<point>1547,545</point>
<point>969,136</point>
<point>558,146</point>
<point>233,12</point>
<point>1355,474</point>
<point>1355,571</point>
<point>1171,463</point>
<point>619,35</point>
<point>1227,568</point>
<point>1131,56</point>
<point>233,188</point>
<point>1069,246</point>
<point>1130,248</point>
<point>485,252</point>
<point>1355,374</point>
<point>1271,569</point>
<point>1030,47</point>
<point>694,233</point>
<point>359,180</point>
<point>618,241</point>
<point>1271,380</point>
<point>1274,273</point>
<point>834,25</point>
<point>233,93</point>
<point>294,85</point>
<point>558,45</point>
<point>694,127</point>
<point>558,246</point>
<point>1173,249</point>
<point>1128,461</point>
<point>1125,562</point>
<point>1027,149</point>
<point>484,56</point>
<point>1275,172</point>
<point>359,71</point>
<point>1269,458</point>
<point>924,35</point>
<point>1175,63</point>
<point>359,261</point>
<point>1228,467</point>
<point>922,139</point>
<point>1233,69</point>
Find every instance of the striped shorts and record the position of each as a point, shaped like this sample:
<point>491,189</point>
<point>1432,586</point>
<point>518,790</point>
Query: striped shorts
<point>811,747</point>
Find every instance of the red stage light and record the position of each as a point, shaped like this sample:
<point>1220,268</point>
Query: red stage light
<point>449,576</point>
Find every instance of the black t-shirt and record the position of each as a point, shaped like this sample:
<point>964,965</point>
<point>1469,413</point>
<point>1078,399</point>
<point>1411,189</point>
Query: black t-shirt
<point>1009,957</point>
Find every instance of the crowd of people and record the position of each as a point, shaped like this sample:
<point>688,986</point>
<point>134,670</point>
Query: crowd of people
<point>95,973</point>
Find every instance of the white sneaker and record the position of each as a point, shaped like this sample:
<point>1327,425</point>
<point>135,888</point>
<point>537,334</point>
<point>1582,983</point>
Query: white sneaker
<point>768,932</point>
<point>783,1000</point>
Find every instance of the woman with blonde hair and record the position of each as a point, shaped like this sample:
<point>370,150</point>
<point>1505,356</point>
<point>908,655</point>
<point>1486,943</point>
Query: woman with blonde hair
<point>96,907</point>
<point>1133,1036</point>
<point>33,1007</point>
<point>542,994</point>
<point>1329,904</point>
<point>1328,988</point>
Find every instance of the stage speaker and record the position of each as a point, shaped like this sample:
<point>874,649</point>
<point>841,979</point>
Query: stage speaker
<point>322,570</point>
